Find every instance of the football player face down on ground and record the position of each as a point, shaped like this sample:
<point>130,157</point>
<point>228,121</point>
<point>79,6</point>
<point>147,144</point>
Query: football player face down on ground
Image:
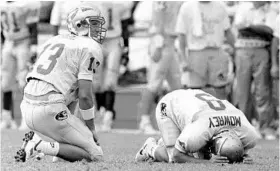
<point>87,21</point>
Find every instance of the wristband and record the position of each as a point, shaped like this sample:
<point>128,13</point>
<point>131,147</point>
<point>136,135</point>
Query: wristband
<point>88,114</point>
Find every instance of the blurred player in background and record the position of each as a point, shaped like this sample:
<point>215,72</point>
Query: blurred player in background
<point>114,13</point>
<point>19,23</point>
<point>274,70</point>
<point>254,22</point>
<point>195,127</point>
<point>63,74</point>
<point>59,14</point>
<point>164,63</point>
<point>203,26</point>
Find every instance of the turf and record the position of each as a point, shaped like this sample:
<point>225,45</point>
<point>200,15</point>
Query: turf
<point>119,152</point>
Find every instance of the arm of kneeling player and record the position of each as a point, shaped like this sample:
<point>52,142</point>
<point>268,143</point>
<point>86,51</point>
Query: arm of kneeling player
<point>86,103</point>
<point>179,157</point>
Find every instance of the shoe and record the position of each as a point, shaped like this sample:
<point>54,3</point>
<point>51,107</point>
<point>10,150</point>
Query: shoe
<point>256,125</point>
<point>6,120</point>
<point>28,148</point>
<point>107,121</point>
<point>8,124</point>
<point>269,134</point>
<point>23,126</point>
<point>4,124</point>
<point>270,137</point>
<point>13,124</point>
<point>147,128</point>
<point>143,154</point>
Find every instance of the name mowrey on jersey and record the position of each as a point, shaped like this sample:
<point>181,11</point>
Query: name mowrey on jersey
<point>218,121</point>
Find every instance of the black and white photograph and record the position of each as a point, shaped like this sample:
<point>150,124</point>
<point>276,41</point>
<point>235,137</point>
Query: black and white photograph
<point>139,85</point>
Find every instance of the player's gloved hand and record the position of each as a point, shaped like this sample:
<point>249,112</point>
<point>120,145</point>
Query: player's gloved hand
<point>219,159</point>
<point>247,159</point>
<point>274,71</point>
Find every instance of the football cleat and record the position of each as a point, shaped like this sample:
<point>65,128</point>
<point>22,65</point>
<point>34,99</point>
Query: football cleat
<point>143,154</point>
<point>28,148</point>
<point>147,128</point>
<point>13,124</point>
<point>23,126</point>
<point>107,121</point>
<point>4,124</point>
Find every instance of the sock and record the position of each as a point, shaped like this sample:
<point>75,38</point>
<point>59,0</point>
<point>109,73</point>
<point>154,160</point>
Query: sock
<point>48,148</point>
<point>146,118</point>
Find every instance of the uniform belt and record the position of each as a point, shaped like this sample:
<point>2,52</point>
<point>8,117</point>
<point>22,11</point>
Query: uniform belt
<point>44,97</point>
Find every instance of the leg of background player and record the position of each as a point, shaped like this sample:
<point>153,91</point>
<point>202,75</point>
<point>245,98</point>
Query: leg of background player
<point>110,112</point>
<point>145,109</point>
<point>100,102</point>
<point>7,114</point>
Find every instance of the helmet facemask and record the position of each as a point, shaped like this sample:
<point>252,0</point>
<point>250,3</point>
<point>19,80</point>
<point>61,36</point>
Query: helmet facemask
<point>96,30</point>
<point>87,21</point>
<point>93,28</point>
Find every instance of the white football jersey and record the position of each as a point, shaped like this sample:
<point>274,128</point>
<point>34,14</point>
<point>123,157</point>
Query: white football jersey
<point>189,105</point>
<point>165,15</point>
<point>65,59</point>
<point>114,12</point>
<point>199,116</point>
<point>16,16</point>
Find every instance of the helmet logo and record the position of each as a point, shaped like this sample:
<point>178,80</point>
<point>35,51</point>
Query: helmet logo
<point>85,9</point>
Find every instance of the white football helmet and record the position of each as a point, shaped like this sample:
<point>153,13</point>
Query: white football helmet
<point>228,144</point>
<point>87,21</point>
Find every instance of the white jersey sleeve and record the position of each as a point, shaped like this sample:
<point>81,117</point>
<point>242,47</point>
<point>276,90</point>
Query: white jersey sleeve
<point>91,60</point>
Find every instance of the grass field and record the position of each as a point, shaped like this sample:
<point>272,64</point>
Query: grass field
<point>119,152</point>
